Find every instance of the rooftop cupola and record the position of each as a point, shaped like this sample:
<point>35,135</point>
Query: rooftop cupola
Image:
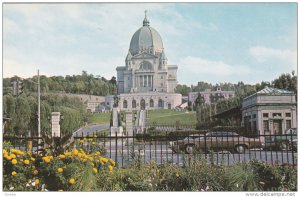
<point>146,21</point>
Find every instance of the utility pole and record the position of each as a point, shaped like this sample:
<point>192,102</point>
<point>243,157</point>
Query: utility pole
<point>39,107</point>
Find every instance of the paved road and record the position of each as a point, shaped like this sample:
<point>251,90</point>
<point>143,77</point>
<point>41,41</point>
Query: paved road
<point>90,129</point>
<point>160,153</point>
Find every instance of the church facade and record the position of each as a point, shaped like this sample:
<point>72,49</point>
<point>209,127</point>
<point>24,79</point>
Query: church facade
<point>146,81</point>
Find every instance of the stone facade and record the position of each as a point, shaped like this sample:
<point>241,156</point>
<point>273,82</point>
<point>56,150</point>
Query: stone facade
<point>269,111</point>
<point>146,81</point>
<point>147,100</point>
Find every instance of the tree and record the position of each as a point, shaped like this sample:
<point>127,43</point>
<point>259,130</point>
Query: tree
<point>182,89</point>
<point>22,117</point>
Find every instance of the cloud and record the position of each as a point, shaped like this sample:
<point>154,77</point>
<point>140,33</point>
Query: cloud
<point>265,54</point>
<point>199,69</point>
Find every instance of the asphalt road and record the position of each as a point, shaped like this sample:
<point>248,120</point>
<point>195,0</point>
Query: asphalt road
<point>90,129</point>
<point>160,153</point>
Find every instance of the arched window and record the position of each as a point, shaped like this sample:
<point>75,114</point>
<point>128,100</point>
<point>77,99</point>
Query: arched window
<point>160,103</point>
<point>124,104</point>
<point>151,103</point>
<point>133,103</point>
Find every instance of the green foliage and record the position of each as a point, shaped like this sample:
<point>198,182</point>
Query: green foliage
<point>182,89</point>
<point>22,111</point>
<point>79,84</point>
<point>242,177</point>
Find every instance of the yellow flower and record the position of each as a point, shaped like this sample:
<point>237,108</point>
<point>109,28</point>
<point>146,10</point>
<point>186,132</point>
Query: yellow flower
<point>8,157</point>
<point>13,150</point>
<point>14,161</point>
<point>60,170</point>
<point>110,168</point>
<point>46,159</point>
<point>13,156</point>
<point>75,151</point>
<point>14,173</point>
<point>97,153</point>
<point>177,174</point>
<point>104,160</point>
<point>29,153</point>
<point>157,171</point>
<point>4,152</point>
<point>95,170</point>
<point>35,172</point>
<point>37,181</point>
<point>32,159</point>
<point>81,141</point>
<point>113,163</point>
<point>26,161</point>
<point>72,181</point>
<point>62,156</point>
<point>92,164</point>
<point>93,143</point>
<point>60,190</point>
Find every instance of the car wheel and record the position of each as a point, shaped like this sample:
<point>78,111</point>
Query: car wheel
<point>190,149</point>
<point>240,148</point>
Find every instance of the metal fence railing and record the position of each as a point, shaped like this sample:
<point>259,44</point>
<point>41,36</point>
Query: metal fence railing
<point>220,148</point>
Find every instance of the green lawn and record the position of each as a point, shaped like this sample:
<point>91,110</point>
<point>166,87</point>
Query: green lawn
<point>170,117</point>
<point>159,116</point>
<point>100,118</point>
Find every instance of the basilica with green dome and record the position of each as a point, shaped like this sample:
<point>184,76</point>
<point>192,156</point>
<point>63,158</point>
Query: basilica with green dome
<point>147,81</point>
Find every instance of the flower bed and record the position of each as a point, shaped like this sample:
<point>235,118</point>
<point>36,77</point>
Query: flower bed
<point>87,169</point>
<point>74,170</point>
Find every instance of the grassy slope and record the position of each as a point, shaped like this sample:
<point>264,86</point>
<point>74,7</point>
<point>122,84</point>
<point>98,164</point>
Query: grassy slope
<point>159,116</point>
<point>171,116</point>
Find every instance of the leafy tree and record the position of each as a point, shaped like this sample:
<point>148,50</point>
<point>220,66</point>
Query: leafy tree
<point>22,117</point>
<point>182,89</point>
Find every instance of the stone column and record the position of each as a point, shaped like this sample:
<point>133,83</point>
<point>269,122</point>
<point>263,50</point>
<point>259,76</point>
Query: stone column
<point>133,80</point>
<point>55,126</point>
<point>147,80</point>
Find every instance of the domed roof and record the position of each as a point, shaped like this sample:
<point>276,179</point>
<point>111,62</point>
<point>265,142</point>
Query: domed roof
<point>145,38</point>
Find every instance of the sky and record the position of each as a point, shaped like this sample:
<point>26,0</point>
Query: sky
<point>211,42</point>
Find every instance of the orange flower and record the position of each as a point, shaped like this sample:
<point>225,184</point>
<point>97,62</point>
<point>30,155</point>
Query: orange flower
<point>37,181</point>
<point>62,156</point>
<point>75,151</point>
<point>8,157</point>
<point>46,159</point>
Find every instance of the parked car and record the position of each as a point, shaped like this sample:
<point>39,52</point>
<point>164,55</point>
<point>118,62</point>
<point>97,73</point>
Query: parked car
<point>216,141</point>
<point>286,141</point>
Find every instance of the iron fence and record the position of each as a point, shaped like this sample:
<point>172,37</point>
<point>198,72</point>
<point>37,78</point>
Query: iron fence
<point>219,148</point>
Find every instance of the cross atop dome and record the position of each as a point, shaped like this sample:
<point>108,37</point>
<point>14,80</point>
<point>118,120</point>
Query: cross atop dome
<point>145,21</point>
